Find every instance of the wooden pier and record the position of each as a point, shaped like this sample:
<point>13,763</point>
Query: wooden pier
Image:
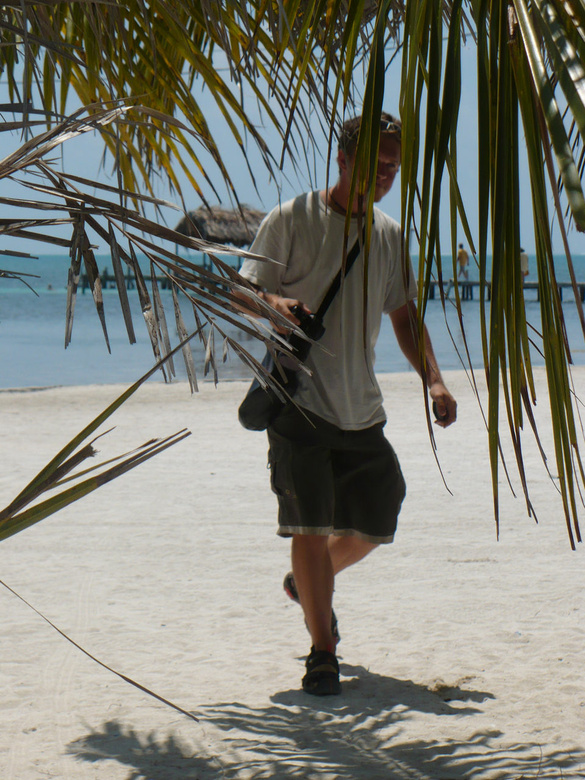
<point>109,282</point>
<point>466,289</point>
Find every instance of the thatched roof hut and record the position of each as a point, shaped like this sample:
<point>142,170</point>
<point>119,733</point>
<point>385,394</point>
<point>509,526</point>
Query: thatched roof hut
<point>223,226</point>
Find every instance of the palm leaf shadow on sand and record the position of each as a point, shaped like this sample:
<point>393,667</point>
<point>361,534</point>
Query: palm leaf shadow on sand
<point>347,737</point>
<point>147,757</point>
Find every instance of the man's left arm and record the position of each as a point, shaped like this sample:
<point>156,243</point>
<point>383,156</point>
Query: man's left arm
<point>405,328</point>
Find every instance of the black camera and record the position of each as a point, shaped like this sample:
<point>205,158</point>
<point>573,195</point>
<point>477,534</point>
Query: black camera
<point>311,325</point>
<point>308,323</point>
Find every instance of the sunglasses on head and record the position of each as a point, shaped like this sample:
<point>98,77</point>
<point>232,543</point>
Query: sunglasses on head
<point>388,126</point>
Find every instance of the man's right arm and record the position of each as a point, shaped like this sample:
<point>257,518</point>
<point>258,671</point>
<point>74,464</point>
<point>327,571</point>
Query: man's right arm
<point>272,241</point>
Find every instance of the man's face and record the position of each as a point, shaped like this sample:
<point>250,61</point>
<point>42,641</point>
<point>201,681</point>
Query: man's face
<point>388,165</point>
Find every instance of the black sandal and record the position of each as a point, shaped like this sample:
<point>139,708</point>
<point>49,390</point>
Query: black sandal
<point>322,677</point>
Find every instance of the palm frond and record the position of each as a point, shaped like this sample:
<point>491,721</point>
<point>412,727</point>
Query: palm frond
<point>23,512</point>
<point>139,67</point>
<point>512,78</point>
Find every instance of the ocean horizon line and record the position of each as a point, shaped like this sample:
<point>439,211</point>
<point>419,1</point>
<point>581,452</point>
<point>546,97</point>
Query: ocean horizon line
<point>32,331</point>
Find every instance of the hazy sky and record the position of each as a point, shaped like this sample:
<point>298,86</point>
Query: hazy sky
<point>83,156</point>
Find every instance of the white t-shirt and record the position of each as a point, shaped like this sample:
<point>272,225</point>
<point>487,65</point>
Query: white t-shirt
<point>307,241</point>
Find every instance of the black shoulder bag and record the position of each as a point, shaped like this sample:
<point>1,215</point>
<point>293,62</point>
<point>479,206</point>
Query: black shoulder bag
<point>262,404</point>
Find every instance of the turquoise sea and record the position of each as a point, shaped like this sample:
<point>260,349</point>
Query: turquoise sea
<point>32,330</point>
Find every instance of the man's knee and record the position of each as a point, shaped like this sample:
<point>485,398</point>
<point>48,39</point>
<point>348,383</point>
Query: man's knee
<point>347,550</point>
<point>353,542</point>
<point>310,541</point>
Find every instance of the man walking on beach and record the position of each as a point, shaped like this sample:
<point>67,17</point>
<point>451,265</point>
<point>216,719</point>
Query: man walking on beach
<point>337,478</point>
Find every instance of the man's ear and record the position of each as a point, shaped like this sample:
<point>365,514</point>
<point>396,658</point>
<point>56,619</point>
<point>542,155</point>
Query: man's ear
<point>341,160</point>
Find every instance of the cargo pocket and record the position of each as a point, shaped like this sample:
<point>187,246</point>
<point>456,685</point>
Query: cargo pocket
<point>280,465</point>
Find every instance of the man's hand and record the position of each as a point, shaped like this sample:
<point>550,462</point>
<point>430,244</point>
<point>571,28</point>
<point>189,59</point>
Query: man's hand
<point>404,322</point>
<point>283,306</point>
<point>444,405</point>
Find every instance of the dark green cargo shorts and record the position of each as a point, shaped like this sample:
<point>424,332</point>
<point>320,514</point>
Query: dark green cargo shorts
<point>331,481</point>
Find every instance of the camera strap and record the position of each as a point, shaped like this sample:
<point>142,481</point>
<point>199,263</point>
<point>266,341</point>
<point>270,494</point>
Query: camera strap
<point>336,283</point>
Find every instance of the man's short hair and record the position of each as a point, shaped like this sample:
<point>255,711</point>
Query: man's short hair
<point>350,130</point>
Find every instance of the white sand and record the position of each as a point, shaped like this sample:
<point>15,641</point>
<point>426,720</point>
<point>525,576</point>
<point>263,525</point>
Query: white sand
<point>461,656</point>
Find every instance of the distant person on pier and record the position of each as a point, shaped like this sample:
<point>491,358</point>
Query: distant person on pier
<point>463,260</point>
<point>523,263</point>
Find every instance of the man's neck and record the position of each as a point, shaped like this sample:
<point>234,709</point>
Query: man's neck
<point>337,199</point>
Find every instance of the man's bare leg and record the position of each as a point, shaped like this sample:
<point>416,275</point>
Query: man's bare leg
<point>313,573</point>
<point>316,560</point>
